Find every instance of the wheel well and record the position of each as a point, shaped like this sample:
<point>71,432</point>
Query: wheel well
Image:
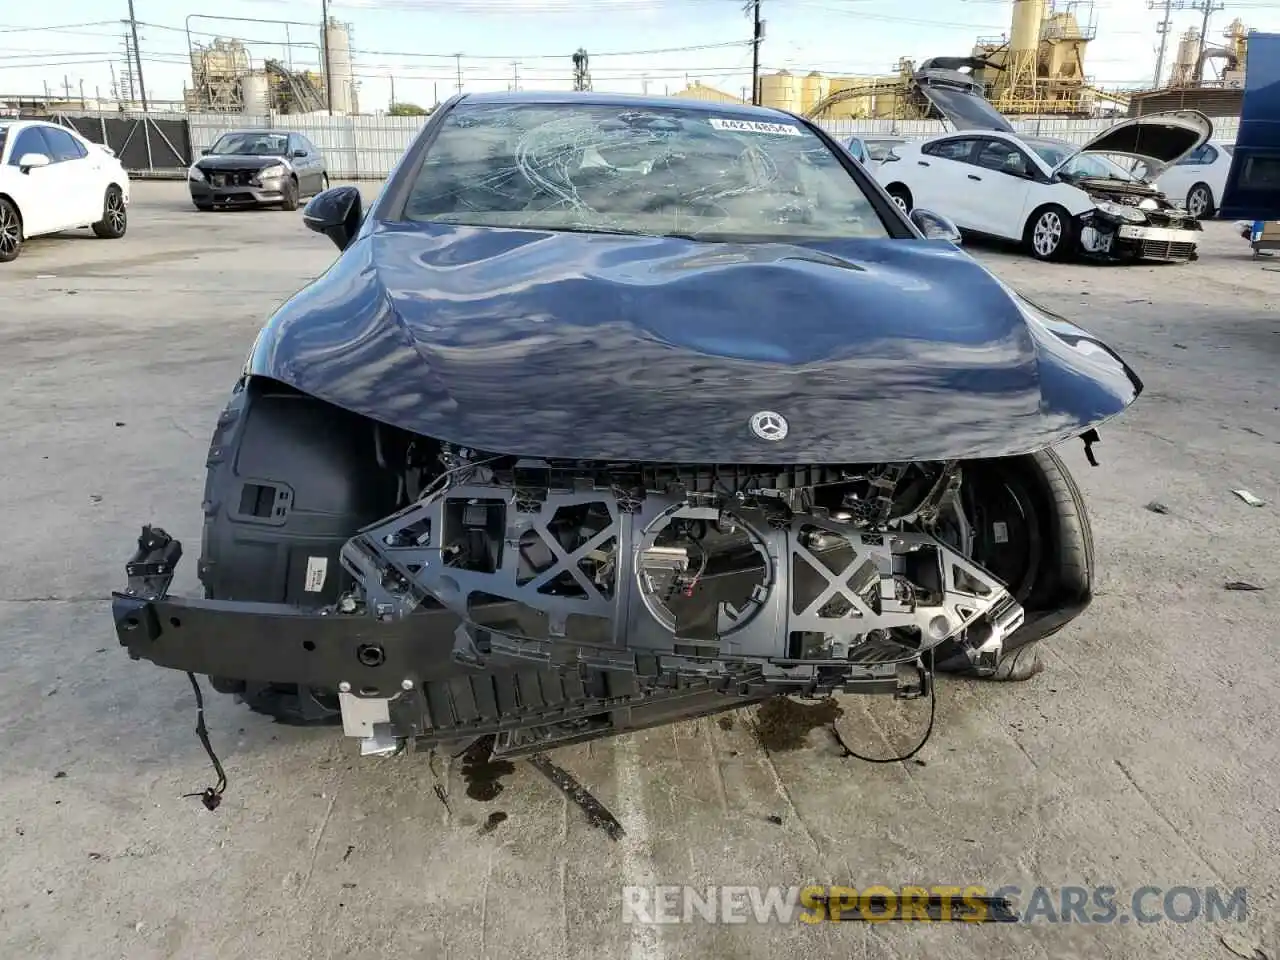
<point>898,186</point>
<point>1035,215</point>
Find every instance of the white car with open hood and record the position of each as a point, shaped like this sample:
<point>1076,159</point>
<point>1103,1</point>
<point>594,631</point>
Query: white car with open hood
<point>1057,199</point>
<point>53,179</point>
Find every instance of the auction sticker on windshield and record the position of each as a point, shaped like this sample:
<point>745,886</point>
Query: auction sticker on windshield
<point>754,126</point>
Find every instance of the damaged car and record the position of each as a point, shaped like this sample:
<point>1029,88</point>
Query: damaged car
<point>618,411</point>
<point>1056,200</point>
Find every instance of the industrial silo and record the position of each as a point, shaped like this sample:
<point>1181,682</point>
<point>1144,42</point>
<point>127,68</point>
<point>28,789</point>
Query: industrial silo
<point>780,90</point>
<point>813,90</point>
<point>341,83</point>
<point>255,91</point>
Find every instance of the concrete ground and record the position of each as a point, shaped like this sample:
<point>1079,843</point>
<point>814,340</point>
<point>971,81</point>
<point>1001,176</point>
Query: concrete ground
<point>1145,754</point>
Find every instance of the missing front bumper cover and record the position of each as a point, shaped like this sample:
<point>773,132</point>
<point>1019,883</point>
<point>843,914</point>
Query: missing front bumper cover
<point>434,643</point>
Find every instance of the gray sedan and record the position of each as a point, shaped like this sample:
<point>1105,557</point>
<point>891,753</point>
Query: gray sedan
<point>257,168</point>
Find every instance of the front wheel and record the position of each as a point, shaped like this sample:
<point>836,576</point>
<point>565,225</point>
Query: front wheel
<point>1031,529</point>
<point>1050,234</point>
<point>10,232</point>
<point>115,218</point>
<point>290,192</point>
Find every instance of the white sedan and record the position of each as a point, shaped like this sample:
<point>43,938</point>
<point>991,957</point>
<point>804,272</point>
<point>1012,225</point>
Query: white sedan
<point>1198,179</point>
<point>53,179</point>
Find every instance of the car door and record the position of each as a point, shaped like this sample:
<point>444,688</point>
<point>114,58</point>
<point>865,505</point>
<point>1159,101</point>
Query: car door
<point>317,160</point>
<point>996,188</point>
<point>307,167</point>
<point>939,178</point>
<point>35,189</point>
<point>77,175</point>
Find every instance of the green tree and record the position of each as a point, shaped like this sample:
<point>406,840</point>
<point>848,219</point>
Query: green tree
<point>407,110</point>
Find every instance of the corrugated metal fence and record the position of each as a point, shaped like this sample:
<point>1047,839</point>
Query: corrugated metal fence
<point>367,148</point>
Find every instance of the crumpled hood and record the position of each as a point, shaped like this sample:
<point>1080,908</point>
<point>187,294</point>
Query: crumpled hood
<point>240,161</point>
<point>1159,140</point>
<point>607,347</point>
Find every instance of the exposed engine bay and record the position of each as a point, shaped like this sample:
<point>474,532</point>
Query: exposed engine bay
<point>806,580</point>
<point>1134,220</point>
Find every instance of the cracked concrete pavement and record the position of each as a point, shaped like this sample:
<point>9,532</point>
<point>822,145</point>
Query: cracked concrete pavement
<point>1144,754</point>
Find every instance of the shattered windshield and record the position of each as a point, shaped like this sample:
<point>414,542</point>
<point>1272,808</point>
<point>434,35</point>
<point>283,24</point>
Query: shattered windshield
<point>1054,152</point>
<point>666,171</point>
<point>252,144</point>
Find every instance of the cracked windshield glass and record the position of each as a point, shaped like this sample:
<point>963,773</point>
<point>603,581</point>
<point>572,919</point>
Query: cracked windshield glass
<point>659,171</point>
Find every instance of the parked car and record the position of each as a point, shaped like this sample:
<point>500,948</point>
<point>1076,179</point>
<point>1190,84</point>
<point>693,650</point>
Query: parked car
<point>872,150</point>
<point>257,168</point>
<point>990,180</point>
<point>53,179</point>
<point>616,411</point>
<point>1198,179</point>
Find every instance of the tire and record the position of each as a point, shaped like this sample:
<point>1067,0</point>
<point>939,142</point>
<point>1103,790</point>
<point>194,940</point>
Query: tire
<point>901,196</point>
<point>1066,540</point>
<point>324,182</point>
<point>1200,202</point>
<point>290,201</point>
<point>115,215</point>
<point>1050,234</point>
<point>10,231</point>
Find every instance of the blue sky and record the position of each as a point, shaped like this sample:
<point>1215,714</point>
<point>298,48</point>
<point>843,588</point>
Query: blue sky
<point>413,41</point>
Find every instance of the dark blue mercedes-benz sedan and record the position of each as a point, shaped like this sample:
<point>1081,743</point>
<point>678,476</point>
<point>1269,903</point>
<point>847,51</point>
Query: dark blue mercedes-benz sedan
<point>615,411</point>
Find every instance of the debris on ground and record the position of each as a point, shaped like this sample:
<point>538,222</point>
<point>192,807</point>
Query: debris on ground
<point>1243,585</point>
<point>492,821</point>
<point>725,723</point>
<point>1155,506</point>
<point>1242,947</point>
<point>784,724</point>
<point>774,819</point>
<point>1249,498</point>
<point>598,814</point>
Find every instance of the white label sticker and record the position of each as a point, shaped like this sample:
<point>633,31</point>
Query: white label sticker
<point>317,569</point>
<point>1001,532</point>
<point>755,126</point>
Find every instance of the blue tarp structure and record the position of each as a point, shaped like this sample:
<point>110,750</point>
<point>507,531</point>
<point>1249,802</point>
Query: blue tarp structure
<point>1253,185</point>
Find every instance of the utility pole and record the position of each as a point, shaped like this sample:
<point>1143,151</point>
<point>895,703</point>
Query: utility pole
<point>1163,29</point>
<point>393,91</point>
<point>1206,8</point>
<point>82,94</point>
<point>324,43</point>
<point>458,57</point>
<point>757,35</point>
<point>137,57</point>
<point>515,75</point>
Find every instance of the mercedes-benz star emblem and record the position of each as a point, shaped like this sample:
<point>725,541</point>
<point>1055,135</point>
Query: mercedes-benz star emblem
<point>768,425</point>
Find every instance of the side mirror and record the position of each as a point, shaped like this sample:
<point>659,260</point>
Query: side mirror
<point>935,226</point>
<point>337,213</point>
<point>299,153</point>
<point>206,151</point>
<point>29,160</point>
<point>890,156</point>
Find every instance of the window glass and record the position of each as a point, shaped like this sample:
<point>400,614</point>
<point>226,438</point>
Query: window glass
<point>27,141</point>
<point>62,145</point>
<point>1003,156</point>
<point>1260,173</point>
<point>950,149</point>
<point>638,169</point>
